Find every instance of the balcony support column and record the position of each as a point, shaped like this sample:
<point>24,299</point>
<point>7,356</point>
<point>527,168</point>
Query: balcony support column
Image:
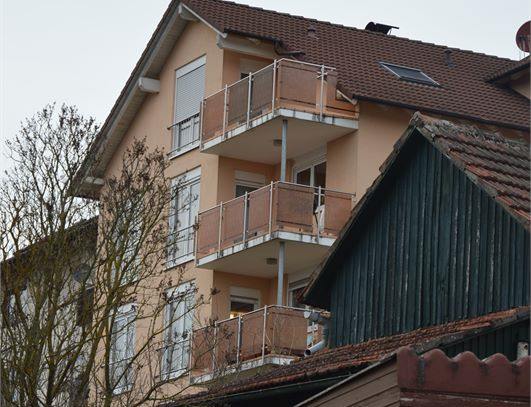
<point>283,150</point>
<point>282,245</point>
<point>280,278</point>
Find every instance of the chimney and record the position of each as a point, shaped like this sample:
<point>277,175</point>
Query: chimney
<point>448,58</point>
<point>380,28</point>
<point>312,31</point>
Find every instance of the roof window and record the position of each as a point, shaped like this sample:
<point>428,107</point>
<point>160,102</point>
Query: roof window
<point>409,74</point>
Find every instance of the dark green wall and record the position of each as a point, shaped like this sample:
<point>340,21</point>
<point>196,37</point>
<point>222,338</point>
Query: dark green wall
<point>431,247</point>
<point>503,340</point>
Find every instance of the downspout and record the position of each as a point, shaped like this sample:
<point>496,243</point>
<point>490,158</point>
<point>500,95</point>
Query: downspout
<point>315,316</point>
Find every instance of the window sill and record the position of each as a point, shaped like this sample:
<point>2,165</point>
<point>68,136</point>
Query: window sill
<point>180,151</point>
<point>167,376</point>
<point>179,261</point>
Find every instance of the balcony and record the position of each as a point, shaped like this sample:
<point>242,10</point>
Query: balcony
<point>244,119</point>
<point>242,232</point>
<point>273,335</point>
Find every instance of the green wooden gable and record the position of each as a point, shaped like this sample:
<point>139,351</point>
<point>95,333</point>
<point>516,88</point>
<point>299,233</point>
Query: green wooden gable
<point>429,243</point>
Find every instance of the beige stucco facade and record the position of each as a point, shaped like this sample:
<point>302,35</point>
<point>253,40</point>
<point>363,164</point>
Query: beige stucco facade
<point>352,160</point>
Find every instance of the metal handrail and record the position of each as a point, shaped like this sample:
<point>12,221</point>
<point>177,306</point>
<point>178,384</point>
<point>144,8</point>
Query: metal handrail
<point>259,349</point>
<point>323,190</point>
<point>275,63</point>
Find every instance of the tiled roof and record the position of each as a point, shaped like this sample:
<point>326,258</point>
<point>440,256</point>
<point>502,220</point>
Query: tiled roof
<point>519,66</point>
<point>356,53</point>
<point>497,164</point>
<point>354,357</point>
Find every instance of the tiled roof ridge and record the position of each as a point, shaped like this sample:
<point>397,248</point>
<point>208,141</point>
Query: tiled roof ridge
<point>314,20</point>
<point>519,65</point>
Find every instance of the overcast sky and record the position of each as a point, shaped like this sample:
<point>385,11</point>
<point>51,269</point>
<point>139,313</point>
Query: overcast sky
<point>81,52</point>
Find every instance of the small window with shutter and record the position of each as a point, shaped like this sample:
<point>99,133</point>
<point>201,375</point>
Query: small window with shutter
<point>189,92</point>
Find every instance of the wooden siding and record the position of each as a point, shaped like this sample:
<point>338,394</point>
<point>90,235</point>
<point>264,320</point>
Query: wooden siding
<point>503,340</point>
<point>434,248</point>
<point>376,388</point>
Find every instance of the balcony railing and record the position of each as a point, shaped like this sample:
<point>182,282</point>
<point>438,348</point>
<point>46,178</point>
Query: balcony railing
<point>280,206</point>
<point>267,335</point>
<point>284,84</point>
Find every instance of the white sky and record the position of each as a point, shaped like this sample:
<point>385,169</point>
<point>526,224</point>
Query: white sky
<point>81,52</point>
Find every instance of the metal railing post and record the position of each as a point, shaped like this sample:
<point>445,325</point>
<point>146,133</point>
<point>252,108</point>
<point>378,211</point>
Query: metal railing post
<point>264,334</point>
<point>214,347</point>
<point>190,348</point>
<point>319,213</point>
<point>245,216</point>
<point>201,110</point>
<point>219,229</point>
<point>321,96</point>
<point>239,343</point>
<point>274,86</point>
<point>196,233</point>
<point>225,112</point>
<point>249,99</point>
<point>270,209</point>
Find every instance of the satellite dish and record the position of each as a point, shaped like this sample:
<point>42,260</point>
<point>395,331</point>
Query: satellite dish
<point>523,40</point>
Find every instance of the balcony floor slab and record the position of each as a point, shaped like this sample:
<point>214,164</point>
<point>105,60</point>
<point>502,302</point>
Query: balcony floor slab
<point>302,251</point>
<point>256,142</point>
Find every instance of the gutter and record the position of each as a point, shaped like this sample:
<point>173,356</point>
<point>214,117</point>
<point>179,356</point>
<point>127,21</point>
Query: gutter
<point>277,391</point>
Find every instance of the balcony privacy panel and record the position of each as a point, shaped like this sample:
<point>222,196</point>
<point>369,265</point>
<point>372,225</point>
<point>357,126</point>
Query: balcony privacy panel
<point>213,108</point>
<point>337,211</point>
<point>237,100</point>
<point>252,335</point>
<point>207,240</point>
<point>226,344</point>
<point>261,92</point>
<point>232,225</point>
<point>286,331</point>
<point>298,83</point>
<point>202,346</point>
<point>294,207</point>
<point>259,212</point>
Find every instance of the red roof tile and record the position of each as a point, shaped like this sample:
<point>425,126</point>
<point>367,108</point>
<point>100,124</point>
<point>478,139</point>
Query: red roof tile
<point>350,357</point>
<point>498,165</point>
<point>357,54</point>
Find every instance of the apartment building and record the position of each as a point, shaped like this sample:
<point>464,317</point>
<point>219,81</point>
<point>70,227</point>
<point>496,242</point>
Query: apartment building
<point>275,126</point>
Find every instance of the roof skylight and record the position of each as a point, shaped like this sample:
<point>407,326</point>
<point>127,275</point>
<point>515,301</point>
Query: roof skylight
<point>409,74</point>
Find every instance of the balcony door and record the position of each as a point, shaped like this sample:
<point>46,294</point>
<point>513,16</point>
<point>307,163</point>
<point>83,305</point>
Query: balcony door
<point>313,175</point>
<point>189,92</point>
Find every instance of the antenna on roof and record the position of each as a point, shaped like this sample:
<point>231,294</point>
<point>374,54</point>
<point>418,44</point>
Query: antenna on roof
<point>380,28</point>
<point>523,39</point>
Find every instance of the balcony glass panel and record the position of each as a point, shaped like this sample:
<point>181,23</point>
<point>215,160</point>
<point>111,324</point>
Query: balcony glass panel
<point>285,84</point>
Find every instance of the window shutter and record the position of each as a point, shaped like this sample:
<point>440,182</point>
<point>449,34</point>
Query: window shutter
<point>189,92</point>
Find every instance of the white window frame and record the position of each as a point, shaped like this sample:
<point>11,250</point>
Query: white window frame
<point>125,312</point>
<point>245,295</point>
<point>248,179</point>
<point>179,183</point>
<point>183,294</point>
<point>177,150</point>
<point>307,161</point>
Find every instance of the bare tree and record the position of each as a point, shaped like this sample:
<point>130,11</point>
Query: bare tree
<point>88,314</point>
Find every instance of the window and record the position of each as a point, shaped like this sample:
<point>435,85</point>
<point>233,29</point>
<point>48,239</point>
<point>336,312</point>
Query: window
<point>189,92</point>
<point>314,175</point>
<point>247,182</point>
<point>243,300</point>
<point>178,315</point>
<point>410,74</point>
<point>122,348</point>
<point>127,240</point>
<point>183,213</point>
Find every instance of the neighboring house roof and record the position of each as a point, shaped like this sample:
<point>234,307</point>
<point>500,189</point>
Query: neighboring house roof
<point>356,53</point>
<point>433,378</point>
<point>352,358</point>
<point>498,165</point>
<point>505,74</point>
